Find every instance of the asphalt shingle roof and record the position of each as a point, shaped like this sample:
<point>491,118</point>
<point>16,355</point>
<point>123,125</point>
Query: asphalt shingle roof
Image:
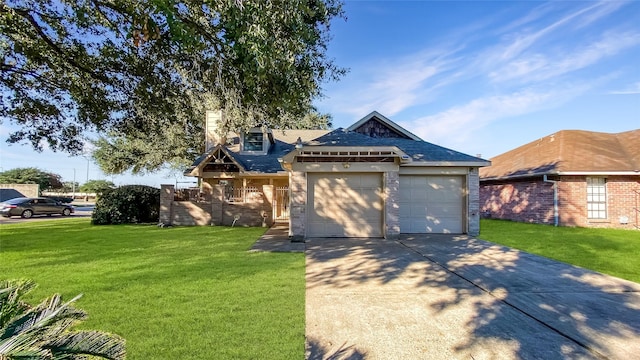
<point>569,151</point>
<point>418,150</point>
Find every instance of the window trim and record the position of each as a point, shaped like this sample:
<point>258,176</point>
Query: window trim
<point>246,139</point>
<point>597,208</point>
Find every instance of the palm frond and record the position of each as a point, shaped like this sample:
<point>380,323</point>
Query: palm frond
<point>93,343</point>
<point>44,332</point>
<point>11,291</point>
<point>46,314</point>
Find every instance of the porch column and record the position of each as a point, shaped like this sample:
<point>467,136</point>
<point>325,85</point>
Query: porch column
<point>166,204</point>
<point>391,181</point>
<point>298,207</point>
<point>217,203</point>
<point>473,211</point>
<point>269,193</point>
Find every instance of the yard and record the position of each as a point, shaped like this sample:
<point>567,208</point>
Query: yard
<point>172,293</point>
<point>610,251</point>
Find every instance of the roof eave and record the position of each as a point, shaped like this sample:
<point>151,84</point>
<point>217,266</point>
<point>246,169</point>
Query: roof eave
<point>561,173</point>
<point>448,163</point>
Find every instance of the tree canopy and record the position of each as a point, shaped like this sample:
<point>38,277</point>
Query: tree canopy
<point>31,175</point>
<point>145,71</point>
<point>97,186</point>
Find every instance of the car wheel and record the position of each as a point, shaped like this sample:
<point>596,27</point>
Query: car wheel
<point>66,212</point>
<point>27,214</point>
<point>49,214</point>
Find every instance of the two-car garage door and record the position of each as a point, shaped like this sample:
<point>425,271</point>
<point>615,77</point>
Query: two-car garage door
<point>351,204</point>
<point>431,204</point>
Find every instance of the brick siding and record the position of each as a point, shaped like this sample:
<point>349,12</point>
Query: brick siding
<point>531,200</point>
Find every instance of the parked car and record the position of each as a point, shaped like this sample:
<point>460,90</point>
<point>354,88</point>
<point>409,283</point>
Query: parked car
<point>27,207</point>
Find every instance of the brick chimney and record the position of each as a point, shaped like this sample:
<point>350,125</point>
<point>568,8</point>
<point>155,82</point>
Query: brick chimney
<point>212,136</point>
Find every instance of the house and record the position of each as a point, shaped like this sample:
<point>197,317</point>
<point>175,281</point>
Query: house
<point>569,178</point>
<point>373,179</point>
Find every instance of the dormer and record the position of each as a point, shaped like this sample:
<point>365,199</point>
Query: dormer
<point>256,141</point>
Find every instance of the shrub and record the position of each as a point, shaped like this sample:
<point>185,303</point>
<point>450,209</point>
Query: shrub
<point>127,204</point>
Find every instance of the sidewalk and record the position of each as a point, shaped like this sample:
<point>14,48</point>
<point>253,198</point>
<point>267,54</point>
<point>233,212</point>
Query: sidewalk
<point>276,239</point>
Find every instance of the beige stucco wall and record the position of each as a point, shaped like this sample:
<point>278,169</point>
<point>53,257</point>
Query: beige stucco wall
<point>28,190</point>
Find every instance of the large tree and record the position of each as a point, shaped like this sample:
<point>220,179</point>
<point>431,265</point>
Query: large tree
<point>46,180</point>
<point>146,70</point>
<point>97,186</point>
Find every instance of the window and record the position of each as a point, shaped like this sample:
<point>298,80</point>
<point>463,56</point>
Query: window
<point>596,198</point>
<point>253,141</point>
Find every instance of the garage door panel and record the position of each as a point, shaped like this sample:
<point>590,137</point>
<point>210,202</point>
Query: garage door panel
<point>345,205</point>
<point>431,204</point>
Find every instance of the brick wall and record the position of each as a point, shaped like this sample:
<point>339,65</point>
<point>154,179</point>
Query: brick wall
<point>622,201</point>
<point>532,201</point>
<point>525,201</point>
<point>257,209</point>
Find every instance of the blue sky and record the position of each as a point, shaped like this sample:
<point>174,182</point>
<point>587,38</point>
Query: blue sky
<point>480,77</point>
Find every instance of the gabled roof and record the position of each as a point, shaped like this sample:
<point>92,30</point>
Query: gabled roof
<point>569,152</point>
<point>406,144</point>
<point>376,116</point>
<point>421,152</point>
<point>284,142</point>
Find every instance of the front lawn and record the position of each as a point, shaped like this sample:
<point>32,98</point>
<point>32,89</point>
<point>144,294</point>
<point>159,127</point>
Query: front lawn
<point>172,293</point>
<point>610,251</point>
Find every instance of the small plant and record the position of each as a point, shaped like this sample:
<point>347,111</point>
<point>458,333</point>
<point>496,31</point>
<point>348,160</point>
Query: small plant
<point>44,332</point>
<point>127,204</point>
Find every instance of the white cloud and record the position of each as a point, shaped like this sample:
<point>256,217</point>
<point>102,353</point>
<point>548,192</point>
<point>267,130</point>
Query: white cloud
<point>519,43</point>
<point>629,90</point>
<point>391,86</point>
<point>460,122</point>
<point>539,66</point>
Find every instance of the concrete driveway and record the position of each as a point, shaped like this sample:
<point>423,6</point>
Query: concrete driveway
<point>455,297</point>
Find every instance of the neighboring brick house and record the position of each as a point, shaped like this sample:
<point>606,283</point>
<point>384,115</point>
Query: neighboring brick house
<point>373,179</point>
<point>570,178</point>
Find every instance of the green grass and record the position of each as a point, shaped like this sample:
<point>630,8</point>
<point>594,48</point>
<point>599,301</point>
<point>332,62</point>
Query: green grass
<point>610,251</point>
<point>172,293</point>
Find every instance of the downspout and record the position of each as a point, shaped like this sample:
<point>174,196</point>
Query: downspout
<point>555,198</point>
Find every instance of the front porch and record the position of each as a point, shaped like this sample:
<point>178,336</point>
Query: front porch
<point>260,205</point>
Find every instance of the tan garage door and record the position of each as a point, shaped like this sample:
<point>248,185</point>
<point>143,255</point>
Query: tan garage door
<point>344,205</point>
<point>431,204</point>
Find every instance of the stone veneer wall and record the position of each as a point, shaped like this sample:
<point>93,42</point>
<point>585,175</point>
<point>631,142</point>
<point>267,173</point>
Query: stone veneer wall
<point>391,205</point>
<point>297,210</point>
<point>473,210</point>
